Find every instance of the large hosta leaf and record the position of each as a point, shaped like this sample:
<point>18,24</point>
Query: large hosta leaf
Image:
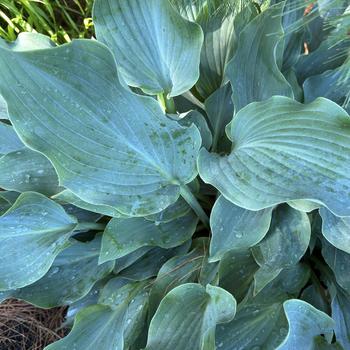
<point>336,230</point>
<point>27,170</point>
<point>110,324</point>
<point>235,228</point>
<point>71,276</point>
<point>254,71</point>
<point>124,236</point>
<point>284,150</point>
<point>283,246</point>
<point>109,146</point>
<point>32,233</point>
<point>171,329</point>
<point>305,322</point>
<point>155,48</point>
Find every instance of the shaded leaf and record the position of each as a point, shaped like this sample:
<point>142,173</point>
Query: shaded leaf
<point>219,108</point>
<point>283,246</point>
<point>254,71</point>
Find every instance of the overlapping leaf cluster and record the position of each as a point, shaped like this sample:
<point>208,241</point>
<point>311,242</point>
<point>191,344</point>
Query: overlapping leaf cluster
<point>115,151</point>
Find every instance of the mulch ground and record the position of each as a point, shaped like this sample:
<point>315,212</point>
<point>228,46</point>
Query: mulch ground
<point>25,327</point>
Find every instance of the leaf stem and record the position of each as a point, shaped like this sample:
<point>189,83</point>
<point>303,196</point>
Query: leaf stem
<point>188,196</point>
<point>166,103</point>
<point>86,226</point>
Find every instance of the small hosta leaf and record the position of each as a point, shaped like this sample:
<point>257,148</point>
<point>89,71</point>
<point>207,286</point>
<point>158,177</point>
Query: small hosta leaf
<point>339,262</point>
<point>69,197</point>
<point>33,232</point>
<point>27,170</point>
<point>235,228</point>
<point>155,48</point>
<point>219,108</point>
<point>305,323</point>
<point>172,329</point>
<point>284,245</point>
<point>71,276</point>
<point>109,324</point>
<point>9,141</point>
<point>254,71</point>
<point>3,108</point>
<point>124,236</point>
<point>336,230</point>
<point>108,145</point>
<point>283,151</point>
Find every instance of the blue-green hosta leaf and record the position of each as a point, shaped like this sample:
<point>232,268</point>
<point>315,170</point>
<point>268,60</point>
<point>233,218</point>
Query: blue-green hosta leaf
<point>283,246</point>
<point>292,79</point>
<point>294,33</point>
<point>108,146</point>
<point>174,211</point>
<point>3,108</point>
<point>254,71</point>
<point>235,228</point>
<point>326,57</point>
<point>124,236</point>
<point>176,271</point>
<point>305,323</point>
<point>189,9</point>
<point>328,84</point>
<point>260,322</point>
<point>304,205</point>
<point>341,317</point>
<point>336,230</point>
<point>236,272</point>
<point>284,150</point>
<point>9,141</point>
<point>27,170</point>
<point>32,233</point>
<point>67,196</point>
<point>71,276</point>
<point>112,323</point>
<point>219,108</point>
<point>155,48</point>
<point>149,264</point>
<point>312,295</point>
<point>197,119</point>
<point>339,262</point>
<point>217,50</point>
<point>173,329</point>
<point>320,343</point>
<point>28,41</point>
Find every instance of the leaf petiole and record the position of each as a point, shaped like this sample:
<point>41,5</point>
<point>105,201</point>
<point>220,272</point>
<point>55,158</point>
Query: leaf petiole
<point>188,196</point>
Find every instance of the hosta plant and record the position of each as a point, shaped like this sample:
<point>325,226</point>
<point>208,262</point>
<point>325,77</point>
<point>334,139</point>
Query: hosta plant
<point>183,181</point>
